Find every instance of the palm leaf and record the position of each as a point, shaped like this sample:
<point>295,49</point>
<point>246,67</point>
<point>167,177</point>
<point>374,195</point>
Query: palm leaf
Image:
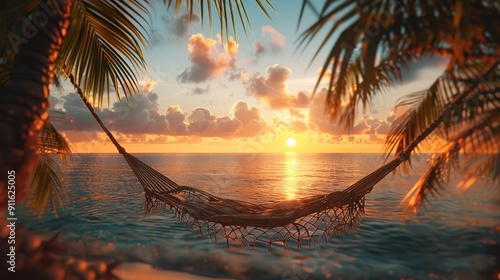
<point>52,142</point>
<point>104,45</point>
<point>229,12</point>
<point>47,186</point>
<point>426,106</point>
<point>481,136</point>
<point>403,29</point>
<point>46,182</point>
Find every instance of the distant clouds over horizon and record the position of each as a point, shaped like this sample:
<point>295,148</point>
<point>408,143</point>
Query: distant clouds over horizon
<point>143,119</point>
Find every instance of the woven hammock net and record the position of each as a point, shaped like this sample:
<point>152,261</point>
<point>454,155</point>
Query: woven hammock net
<point>310,219</point>
<point>305,220</point>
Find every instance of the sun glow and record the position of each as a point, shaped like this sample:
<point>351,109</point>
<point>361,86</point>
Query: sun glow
<point>291,142</point>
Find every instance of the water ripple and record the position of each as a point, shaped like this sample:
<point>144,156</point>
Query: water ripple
<point>456,236</point>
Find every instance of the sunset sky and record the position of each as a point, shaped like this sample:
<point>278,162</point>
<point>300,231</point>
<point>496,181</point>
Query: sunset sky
<point>244,97</point>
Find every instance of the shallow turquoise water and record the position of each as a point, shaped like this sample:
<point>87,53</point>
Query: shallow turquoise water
<point>456,237</point>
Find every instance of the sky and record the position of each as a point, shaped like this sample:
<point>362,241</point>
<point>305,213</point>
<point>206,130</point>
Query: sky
<point>248,94</point>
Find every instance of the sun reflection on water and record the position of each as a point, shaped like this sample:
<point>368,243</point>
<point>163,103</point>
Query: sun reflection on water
<point>290,186</point>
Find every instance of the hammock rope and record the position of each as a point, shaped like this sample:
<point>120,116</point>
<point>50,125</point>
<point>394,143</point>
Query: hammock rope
<point>314,218</point>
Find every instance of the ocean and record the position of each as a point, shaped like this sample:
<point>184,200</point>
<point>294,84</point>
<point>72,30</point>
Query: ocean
<point>456,236</point>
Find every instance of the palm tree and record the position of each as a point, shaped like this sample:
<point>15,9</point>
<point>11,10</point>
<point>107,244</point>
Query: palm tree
<point>25,74</point>
<point>99,43</point>
<point>369,44</point>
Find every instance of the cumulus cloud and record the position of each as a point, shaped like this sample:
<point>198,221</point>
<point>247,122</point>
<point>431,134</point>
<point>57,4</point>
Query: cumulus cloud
<point>277,39</point>
<point>207,61</point>
<point>252,121</point>
<point>368,125</point>
<point>138,117</point>
<point>318,120</point>
<point>271,42</point>
<point>372,126</point>
<point>182,25</point>
<point>202,122</point>
<point>141,116</point>
<point>175,120</point>
<point>149,85</point>
<point>272,88</point>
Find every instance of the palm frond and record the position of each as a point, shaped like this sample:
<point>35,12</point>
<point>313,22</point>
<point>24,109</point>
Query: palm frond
<point>229,12</point>
<point>364,89</point>
<point>52,142</point>
<point>473,149</point>
<point>393,30</point>
<point>104,45</point>
<point>430,183</point>
<point>46,181</point>
<point>4,74</point>
<point>424,107</point>
<point>482,167</point>
<point>463,100</point>
<point>47,186</point>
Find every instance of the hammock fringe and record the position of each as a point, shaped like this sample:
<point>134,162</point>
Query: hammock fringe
<point>311,219</point>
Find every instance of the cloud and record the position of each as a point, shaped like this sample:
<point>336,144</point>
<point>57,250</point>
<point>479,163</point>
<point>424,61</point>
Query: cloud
<point>373,126</point>
<point>318,120</point>
<point>177,28</point>
<point>271,40</point>
<point>136,117</point>
<point>141,116</point>
<point>368,125</point>
<point>259,48</point>
<point>200,90</point>
<point>182,25</point>
<point>272,88</point>
<point>175,120</point>
<point>149,85</point>
<point>417,68</point>
<point>202,122</point>
<point>298,126</point>
<point>54,101</point>
<point>207,61</point>
<point>297,114</point>
<point>252,121</point>
<point>277,39</point>
<point>155,37</point>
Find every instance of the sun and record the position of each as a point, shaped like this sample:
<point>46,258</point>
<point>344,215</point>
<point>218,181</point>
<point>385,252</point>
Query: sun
<point>291,142</point>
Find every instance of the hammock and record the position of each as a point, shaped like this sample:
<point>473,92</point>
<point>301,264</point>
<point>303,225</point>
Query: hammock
<point>309,219</point>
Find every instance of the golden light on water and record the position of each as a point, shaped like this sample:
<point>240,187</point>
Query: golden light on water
<point>291,142</point>
<point>290,187</point>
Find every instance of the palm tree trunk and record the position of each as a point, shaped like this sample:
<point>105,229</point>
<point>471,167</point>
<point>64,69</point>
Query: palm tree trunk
<point>24,101</point>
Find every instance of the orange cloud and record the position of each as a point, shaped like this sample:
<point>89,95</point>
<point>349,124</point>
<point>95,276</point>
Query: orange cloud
<point>272,88</point>
<point>277,39</point>
<point>142,117</point>
<point>207,61</point>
